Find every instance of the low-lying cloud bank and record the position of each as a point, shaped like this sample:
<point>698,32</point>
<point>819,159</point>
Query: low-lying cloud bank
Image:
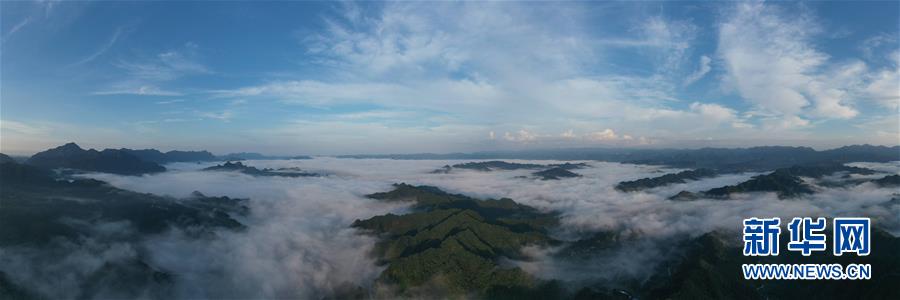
<point>298,243</point>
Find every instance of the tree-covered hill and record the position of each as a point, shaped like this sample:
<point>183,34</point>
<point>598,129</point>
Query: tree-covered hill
<point>786,182</point>
<point>454,241</point>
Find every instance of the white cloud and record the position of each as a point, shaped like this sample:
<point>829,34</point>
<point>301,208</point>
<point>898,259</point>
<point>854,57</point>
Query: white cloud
<point>145,90</point>
<point>474,63</point>
<point>672,39</point>
<point>221,116</point>
<point>699,119</point>
<point>503,67</point>
<point>605,96</point>
<point>768,58</point>
<point>370,115</point>
<point>782,123</point>
<point>871,46</point>
<point>603,135</point>
<point>570,137</point>
<point>713,112</point>
<point>144,75</point>
<point>298,243</point>
<point>19,127</point>
<point>414,39</point>
<point>884,88</point>
<point>773,63</point>
<point>410,56</point>
<point>170,101</point>
<point>165,66</point>
<point>701,71</point>
<point>463,94</point>
<point>834,89</point>
<point>520,136</point>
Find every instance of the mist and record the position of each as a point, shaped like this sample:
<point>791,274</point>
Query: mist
<point>299,244</point>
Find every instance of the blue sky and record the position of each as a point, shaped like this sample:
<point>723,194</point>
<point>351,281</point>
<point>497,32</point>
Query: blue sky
<point>402,77</point>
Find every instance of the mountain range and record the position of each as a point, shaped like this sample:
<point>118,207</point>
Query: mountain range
<point>253,171</point>
<point>127,161</point>
<point>758,159</point>
<point>445,244</point>
<point>785,182</point>
<point>254,156</point>
<point>723,160</point>
<point>71,156</point>
<point>156,156</point>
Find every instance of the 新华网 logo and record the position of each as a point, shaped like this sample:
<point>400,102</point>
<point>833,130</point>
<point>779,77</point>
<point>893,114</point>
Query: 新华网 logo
<point>807,235</point>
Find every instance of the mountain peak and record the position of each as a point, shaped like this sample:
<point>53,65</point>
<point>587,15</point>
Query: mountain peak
<point>5,159</point>
<point>70,146</point>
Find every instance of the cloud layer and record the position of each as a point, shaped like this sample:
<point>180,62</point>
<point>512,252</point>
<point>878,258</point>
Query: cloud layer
<point>299,243</point>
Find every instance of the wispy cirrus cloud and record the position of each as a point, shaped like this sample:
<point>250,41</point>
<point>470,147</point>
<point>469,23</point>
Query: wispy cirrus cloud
<point>103,48</point>
<point>701,70</point>
<point>145,90</point>
<point>144,76</point>
<point>170,101</point>
<point>165,66</point>
<point>15,29</point>
<point>224,116</point>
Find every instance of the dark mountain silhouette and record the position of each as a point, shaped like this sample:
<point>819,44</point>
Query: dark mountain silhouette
<point>569,166</point>
<point>243,156</point>
<point>820,170</point>
<point>12,173</point>
<point>256,156</point>
<point>153,155</point>
<point>555,173</point>
<point>5,158</point>
<point>786,182</point>
<point>887,181</point>
<point>249,170</point>
<point>493,165</point>
<point>35,206</point>
<point>761,158</point>
<point>667,179</point>
<point>71,156</point>
<point>757,159</point>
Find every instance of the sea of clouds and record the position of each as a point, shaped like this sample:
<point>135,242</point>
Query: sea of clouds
<point>299,244</point>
